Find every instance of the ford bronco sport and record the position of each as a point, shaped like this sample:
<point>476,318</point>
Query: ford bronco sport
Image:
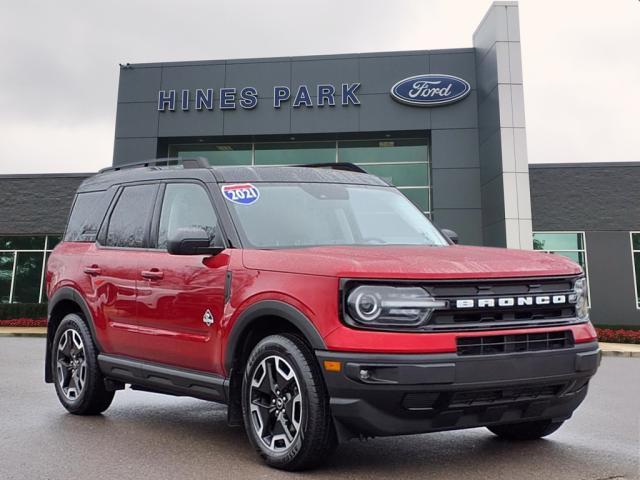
<point>318,303</point>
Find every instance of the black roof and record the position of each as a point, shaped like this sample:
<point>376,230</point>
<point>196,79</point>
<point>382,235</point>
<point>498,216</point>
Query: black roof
<point>259,174</point>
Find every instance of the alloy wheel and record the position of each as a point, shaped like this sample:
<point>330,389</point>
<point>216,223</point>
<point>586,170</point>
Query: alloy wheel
<point>275,403</point>
<point>71,364</point>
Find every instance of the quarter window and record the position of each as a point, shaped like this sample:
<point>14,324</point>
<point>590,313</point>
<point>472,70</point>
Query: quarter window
<point>87,213</point>
<point>129,221</point>
<point>635,251</point>
<point>185,205</point>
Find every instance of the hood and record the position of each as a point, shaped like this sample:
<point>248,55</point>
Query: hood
<point>410,262</point>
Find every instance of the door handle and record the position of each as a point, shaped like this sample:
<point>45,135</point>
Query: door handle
<point>153,274</point>
<point>93,270</point>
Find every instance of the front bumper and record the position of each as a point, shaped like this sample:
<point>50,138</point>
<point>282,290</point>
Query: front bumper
<point>381,395</point>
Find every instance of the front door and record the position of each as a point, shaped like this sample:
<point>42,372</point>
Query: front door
<point>181,297</point>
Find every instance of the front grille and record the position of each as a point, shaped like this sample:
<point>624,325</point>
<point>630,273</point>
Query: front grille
<point>475,398</point>
<point>516,316</point>
<point>525,342</point>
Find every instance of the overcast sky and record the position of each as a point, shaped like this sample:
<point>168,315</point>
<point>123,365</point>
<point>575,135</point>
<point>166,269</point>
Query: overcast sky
<point>59,63</point>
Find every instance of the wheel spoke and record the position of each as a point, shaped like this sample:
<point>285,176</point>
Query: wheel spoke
<point>285,428</point>
<point>271,376</point>
<point>64,346</point>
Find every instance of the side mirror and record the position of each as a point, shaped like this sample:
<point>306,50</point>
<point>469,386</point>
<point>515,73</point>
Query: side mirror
<point>451,235</point>
<point>193,241</point>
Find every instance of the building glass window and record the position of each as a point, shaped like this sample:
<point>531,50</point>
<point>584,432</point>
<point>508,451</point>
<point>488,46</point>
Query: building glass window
<point>635,250</point>
<point>293,153</point>
<point>401,162</point>
<point>568,244</point>
<point>22,266</point>
<point>217,155</point>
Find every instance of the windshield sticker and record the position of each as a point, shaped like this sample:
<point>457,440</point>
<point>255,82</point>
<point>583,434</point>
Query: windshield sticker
<point>241,193</point>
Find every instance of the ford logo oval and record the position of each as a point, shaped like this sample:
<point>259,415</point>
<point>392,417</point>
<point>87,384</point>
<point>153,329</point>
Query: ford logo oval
<point>430,90</point>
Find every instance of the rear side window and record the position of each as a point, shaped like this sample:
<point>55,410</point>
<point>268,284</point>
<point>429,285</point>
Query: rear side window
<point>129,221</point>
<point>87,213</point>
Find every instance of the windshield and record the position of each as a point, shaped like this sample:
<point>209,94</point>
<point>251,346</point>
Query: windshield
<point>280,215</point>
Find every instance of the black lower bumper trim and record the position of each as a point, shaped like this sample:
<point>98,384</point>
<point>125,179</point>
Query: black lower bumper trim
<point>381,395</point>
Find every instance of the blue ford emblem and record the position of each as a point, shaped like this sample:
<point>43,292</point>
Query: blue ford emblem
<point>430,90</point>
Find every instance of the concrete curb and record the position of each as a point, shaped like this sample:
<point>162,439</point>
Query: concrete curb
<point>620,349</point>
<point>23,332</point>
<point>620,353</point>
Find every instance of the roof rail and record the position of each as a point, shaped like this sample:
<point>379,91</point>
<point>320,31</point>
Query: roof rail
<point>345,166</point>
<point>187,162</point>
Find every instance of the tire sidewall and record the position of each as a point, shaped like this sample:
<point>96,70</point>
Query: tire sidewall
<point>268,347</point>
<point>74,322</point>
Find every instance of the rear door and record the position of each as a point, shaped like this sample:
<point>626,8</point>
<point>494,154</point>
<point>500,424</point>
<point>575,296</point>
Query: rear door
<point>112,266</point>
<point>181,297</point>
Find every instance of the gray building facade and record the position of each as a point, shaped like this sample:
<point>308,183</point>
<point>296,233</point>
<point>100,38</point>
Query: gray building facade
<point>475,176</point>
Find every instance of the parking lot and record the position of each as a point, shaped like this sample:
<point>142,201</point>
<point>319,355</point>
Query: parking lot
<point>145,435</point>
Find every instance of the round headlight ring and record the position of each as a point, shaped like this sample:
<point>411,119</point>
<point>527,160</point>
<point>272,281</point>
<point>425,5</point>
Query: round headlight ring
<point>367,306</point>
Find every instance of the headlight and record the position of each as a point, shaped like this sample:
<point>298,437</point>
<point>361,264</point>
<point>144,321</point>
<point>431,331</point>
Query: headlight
<point>391,306</point>
<point>581,298</point>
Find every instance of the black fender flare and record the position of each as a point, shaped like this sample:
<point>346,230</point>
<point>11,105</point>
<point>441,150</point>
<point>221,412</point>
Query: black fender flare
<point>65,293</point>
<point>269,308</point>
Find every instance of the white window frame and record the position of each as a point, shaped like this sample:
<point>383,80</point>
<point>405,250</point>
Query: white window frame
<point>633,266</point>
<point>43,250</point>
<point>584,244</point>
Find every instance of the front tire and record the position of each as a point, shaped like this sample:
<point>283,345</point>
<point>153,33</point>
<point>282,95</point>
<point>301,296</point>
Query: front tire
<point>285,404</point>
<point>526,430</point>
<point>77,377</point>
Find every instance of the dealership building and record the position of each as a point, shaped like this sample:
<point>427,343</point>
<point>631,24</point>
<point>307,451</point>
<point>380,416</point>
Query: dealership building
<point>447,127</point>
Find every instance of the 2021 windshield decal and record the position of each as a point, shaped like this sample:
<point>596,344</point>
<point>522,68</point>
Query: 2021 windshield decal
<point>241,193</point>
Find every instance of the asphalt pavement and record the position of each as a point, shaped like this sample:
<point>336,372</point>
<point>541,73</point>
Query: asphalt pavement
<point>149,436</point>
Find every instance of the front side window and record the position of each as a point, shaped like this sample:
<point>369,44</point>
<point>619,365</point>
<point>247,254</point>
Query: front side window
<point>129,221</point>
<point>635,251</point>
<point>314,214</point>
<point>185,205</point>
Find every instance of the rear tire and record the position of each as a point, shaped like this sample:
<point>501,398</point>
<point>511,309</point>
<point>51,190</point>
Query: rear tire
<point>285,404</point>
<point>526,430</point>
<point>77,378</point>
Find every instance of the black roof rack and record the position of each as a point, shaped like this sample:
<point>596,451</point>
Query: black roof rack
<point>345,166</point>
<point>188,162</point>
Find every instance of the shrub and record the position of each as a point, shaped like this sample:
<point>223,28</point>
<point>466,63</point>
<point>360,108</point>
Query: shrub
<point>10,311</point>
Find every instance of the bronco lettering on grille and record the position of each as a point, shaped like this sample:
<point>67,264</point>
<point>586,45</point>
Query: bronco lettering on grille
<point>512,301</point>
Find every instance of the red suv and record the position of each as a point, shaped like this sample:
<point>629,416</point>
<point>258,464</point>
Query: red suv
<point>318,303</point>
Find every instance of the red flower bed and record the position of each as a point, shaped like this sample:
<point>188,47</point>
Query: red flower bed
<point>24,322</point>
<point>618,335</point>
